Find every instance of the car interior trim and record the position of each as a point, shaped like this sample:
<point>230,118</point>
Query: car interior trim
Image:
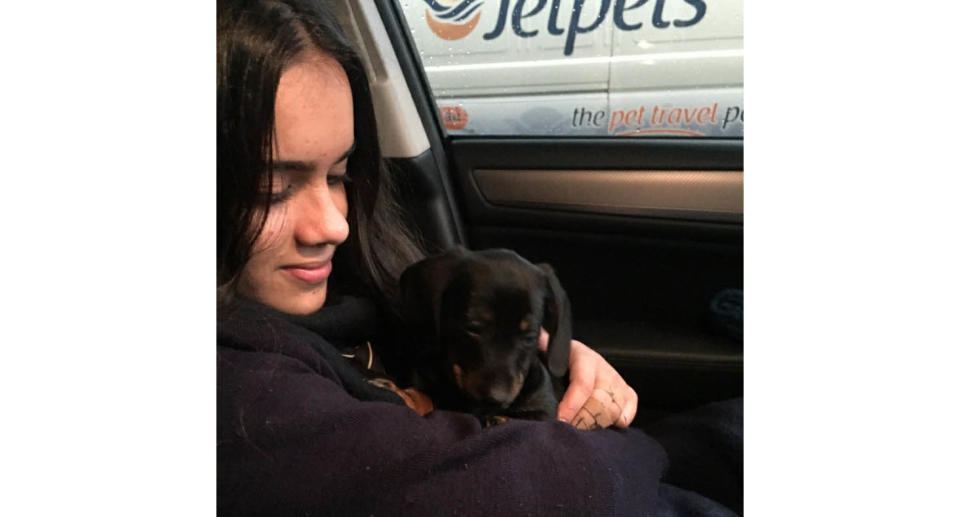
<point>694,195</point>
<point>392,101</point>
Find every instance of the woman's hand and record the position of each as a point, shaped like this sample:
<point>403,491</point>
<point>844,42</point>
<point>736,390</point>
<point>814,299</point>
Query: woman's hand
<point>597,395</point>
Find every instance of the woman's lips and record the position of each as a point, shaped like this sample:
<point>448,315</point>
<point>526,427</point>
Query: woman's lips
<point>312,272</point>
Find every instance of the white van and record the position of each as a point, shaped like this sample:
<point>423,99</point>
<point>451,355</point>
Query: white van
<point>583,67</point>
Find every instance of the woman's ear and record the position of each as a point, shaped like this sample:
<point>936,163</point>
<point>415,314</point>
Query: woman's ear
<point>557,320</point>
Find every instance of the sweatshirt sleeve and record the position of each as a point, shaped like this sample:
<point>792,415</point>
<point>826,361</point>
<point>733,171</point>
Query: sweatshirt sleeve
<point>292,441</point>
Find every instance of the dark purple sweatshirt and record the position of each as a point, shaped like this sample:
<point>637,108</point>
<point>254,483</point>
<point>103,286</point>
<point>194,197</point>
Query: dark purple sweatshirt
<point>300,432</point>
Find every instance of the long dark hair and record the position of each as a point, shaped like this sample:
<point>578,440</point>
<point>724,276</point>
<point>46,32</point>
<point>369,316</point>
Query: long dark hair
<point>256,40</point>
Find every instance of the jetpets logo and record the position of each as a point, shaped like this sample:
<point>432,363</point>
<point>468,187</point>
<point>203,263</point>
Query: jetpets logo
<point>453,19</point>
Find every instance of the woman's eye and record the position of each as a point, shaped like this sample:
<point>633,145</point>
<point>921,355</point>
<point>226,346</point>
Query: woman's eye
<point>337,178</point>
<point>281,189</point>
<point>280,197</point>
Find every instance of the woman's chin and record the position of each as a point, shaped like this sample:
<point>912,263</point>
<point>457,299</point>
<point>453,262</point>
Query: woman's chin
<point>284,293</point>
<point>305,303</point>
<point>295,302</point>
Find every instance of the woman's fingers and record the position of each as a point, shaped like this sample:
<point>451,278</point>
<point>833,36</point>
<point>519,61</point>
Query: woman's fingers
<point>583,371</point>
<point>543,341</point>
<point>611,400</point>
<point>597,395</point>
<point>600,410</point>
<point>628,398</point>
<point>629,412</point>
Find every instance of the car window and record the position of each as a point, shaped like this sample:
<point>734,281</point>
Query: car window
<point>628,68</point>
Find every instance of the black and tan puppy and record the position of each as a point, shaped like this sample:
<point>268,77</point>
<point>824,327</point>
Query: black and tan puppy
<point>471,322</point>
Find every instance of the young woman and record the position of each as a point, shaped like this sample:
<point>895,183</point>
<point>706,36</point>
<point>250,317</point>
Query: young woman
<point>306,220</point>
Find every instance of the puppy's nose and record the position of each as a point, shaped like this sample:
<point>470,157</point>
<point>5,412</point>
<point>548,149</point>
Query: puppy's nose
<point>503,391</point>
<point>500,396</point>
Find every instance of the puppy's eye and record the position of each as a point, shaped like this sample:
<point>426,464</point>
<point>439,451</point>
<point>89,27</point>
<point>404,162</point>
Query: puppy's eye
<point>475,327</point>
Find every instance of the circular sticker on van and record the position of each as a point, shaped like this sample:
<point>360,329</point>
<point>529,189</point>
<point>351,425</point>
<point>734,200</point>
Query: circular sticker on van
<point>454,117</point>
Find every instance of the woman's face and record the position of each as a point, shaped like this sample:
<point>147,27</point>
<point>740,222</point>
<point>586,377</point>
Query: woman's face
<point>291,259</point>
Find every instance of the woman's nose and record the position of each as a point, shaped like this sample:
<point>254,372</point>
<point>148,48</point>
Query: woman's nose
<point>322,218</point>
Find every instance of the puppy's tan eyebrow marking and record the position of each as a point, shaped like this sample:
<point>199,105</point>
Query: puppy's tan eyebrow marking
<point>482,316</point>
<point>524,324</point>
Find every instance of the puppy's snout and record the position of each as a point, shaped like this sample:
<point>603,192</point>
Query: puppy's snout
<point>490,387</point>
<point>501,394</point>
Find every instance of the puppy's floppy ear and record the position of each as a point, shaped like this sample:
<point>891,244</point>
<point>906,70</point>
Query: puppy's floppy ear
<point>557,320</point>
<point>421,287</point>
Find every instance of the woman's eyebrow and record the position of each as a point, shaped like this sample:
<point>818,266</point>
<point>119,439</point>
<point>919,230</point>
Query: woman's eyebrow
<point>294,166</point>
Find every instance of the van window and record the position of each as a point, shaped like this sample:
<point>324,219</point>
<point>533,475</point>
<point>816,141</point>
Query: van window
<point>629,68</point>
